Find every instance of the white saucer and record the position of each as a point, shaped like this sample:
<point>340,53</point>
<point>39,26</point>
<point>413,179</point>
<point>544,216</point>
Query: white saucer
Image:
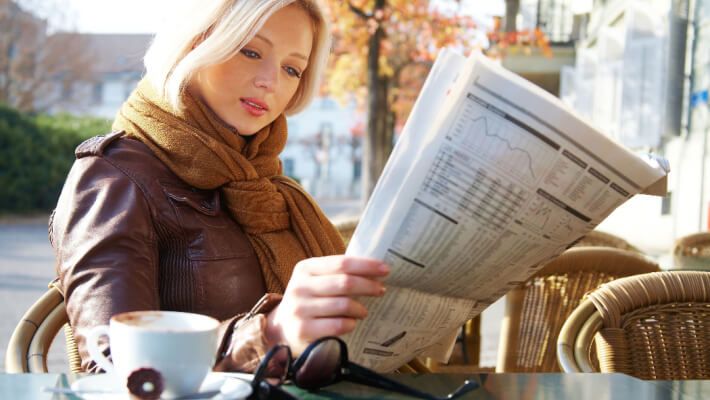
<point>106,386</point>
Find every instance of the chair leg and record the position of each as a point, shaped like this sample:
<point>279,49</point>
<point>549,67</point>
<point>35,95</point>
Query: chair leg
<point>464,346</point>
<point>472,341</point>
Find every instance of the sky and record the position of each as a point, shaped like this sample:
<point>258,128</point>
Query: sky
<point>114,16</point>
<point>144,16</point>
<point>103,16</point>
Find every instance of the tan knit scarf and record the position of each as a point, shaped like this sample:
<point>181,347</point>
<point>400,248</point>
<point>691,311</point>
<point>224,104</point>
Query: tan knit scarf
<point>283,223</point>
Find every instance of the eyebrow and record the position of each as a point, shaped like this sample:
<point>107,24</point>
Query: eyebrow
<point>298,55</point>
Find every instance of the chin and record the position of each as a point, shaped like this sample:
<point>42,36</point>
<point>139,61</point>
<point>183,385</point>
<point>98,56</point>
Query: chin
<point>247,131</point>
<point>241,128</point>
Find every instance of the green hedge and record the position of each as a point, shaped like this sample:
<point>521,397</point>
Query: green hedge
<point>36,153</point>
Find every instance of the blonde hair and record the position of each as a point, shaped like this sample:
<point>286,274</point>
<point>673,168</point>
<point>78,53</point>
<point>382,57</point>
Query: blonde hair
<point>211,32</point>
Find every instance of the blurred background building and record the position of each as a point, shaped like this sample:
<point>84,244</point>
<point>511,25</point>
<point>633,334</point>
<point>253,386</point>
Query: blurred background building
<point>324,149</point>
<point>116,67</point>
<point>93,73</point>
<point>641,76</point>
<point>556,20</point>
<point>637,69</point>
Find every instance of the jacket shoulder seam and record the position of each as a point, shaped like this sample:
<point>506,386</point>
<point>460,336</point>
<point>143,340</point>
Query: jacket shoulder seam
<point>96,145</point>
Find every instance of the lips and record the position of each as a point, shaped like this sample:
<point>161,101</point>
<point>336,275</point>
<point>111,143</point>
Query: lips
<point>254,107</point>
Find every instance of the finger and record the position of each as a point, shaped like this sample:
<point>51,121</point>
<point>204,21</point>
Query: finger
<point>340,285</point>
<point>348,265</point>
<point>322,307</point>
<point>319,327</point>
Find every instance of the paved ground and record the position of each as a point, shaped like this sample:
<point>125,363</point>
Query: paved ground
<point>26,266</point>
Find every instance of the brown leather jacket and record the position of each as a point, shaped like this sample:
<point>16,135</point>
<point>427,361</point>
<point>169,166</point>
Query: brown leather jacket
<point>130,235</point>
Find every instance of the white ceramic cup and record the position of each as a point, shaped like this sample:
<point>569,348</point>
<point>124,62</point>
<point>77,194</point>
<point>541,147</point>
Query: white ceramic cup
<point>181,346</point>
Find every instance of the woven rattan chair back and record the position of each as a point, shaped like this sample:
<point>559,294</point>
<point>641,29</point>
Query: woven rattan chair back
<point>32,337</point>
<point>692,252</point>
<point>536,310</point>
<point>346,227</point>
<point>604,239</point>
<point>651,326</point>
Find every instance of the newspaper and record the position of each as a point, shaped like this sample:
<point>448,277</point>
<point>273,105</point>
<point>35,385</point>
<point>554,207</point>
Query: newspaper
<point>491,178</point>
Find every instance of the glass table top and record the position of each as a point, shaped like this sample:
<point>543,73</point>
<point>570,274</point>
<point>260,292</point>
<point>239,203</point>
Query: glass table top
<point>493,386</point>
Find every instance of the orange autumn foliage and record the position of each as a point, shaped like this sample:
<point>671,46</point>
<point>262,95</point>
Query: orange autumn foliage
<point>415,31</point>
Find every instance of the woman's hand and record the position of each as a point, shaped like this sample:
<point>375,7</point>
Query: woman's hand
<point>319,300</point>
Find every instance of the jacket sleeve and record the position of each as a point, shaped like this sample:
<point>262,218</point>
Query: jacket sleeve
<point>244,341</point>
<point>107,260</point>
<point>105,245</point>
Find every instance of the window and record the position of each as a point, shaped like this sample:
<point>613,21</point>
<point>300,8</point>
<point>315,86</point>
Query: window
<point>67,89</point>
<point>666,204</point>
<point>113,92</point>
<point>555,19</point>
<point>97,92</point>
<point>11,51</point>
<point>357,169</point>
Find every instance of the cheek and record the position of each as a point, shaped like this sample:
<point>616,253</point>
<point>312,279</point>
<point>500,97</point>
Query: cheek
<point>225,78</point>
<point>228,86</point>
<point>287,96</point>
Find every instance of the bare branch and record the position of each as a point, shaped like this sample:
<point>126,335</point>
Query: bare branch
<point>358,11</point>
<point>33,64</point>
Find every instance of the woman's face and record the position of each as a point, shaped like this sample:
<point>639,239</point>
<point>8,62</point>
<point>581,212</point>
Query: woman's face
<point>251,89</point>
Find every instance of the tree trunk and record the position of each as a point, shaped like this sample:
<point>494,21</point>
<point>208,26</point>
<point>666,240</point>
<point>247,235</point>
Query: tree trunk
<point>512,8</point>
<point>378,138</point>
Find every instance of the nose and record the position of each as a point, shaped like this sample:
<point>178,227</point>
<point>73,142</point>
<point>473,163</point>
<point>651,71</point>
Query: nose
<point>267,78</point>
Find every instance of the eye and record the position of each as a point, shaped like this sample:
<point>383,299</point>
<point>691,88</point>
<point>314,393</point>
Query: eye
<point>292,72</point>
<point>250,53</point>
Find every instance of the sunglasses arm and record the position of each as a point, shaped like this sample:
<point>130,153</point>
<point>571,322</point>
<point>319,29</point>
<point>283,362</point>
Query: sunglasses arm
<point>365,376</point>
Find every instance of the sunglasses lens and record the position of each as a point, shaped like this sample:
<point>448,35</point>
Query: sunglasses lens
<point>321,366</point>
<point>277,366</point>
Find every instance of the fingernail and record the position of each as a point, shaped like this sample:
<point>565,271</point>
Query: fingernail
<point>385,268</point>
<point>383,289</point>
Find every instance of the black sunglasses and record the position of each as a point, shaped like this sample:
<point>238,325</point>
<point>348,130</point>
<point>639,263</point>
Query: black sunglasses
<point>325,362</point>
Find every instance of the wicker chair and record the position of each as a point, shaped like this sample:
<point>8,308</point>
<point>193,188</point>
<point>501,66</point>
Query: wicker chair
<point>651,326</point>
<point>346,227</point>
<point>536,310</point>
<point>692,252</point>
<point>604,239</point>
<point>30,341</point>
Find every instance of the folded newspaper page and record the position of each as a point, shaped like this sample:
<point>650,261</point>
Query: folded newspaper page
<point>491,178</point>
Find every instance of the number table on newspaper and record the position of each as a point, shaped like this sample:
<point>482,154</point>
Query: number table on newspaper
<point>492,176</point>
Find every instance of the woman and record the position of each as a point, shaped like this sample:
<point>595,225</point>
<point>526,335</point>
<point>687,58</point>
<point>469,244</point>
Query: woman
<point>184,206</point>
